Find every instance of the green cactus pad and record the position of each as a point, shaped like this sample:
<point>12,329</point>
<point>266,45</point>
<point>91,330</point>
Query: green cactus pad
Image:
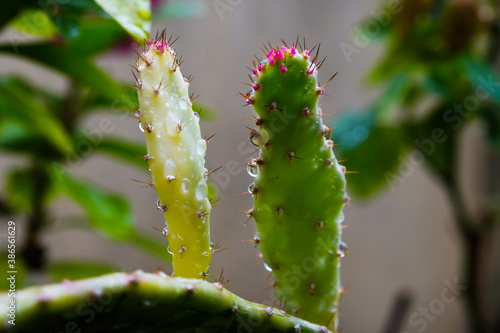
<point>143,302</point>
<point>175,156</point>
<point>299,188</point>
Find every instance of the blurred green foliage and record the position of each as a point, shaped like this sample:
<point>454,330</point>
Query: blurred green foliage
<point>436,74</point>
<point>45,127</point>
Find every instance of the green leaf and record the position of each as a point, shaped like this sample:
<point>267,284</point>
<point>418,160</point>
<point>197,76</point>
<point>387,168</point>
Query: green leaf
<point>126,151</point>
<point>482,75</point>
<point>371,149</point>
<point>74,270</point>
<point>181,9</point>
<point>490,114</point>
<point>16,103</point>
<point>108,30</point>
<point>79,68</point>
<point>35,22</point>
<point>133,15</point>
<point>20,189</point>
<point>109,213</point>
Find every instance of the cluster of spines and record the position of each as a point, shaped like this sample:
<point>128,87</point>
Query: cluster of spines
<point>299,188</point>
<point>175,155</point>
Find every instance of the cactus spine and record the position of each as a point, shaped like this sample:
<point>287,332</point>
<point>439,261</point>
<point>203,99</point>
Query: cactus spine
<point>175,156</point>
<point>142,302</point>
<point>299,188</point>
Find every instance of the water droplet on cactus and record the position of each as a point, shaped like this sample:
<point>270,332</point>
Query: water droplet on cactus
<point>201,147</point>
<point>140,127</point>
<point>340,217</point>
<point>212,246</point>
<point>184,102</point>
<point>267,267</point>
<point>186,185</point>
<point>252,169</point>
<point>259,137</point>
<point>169,251</point>
<point>164,232</point>
<point>342,251</point>
<point>201,191</point>
<point>191,156</point>
<point>251,188</point>
<point>158,204</point>
<point>169,168</point>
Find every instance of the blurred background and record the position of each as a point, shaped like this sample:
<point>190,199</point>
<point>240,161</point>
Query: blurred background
<point>416,100</point>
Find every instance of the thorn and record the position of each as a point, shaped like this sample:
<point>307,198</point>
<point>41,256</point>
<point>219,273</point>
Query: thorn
<point>192,97</point>
<point>164,231</point>
<point>138,81</point>
<point>221,280</point>
<point>291,155</point>
<point>180,127</point>
<point>248,213</point>
<point>149,184</point>
<point>255,240</point>
<point>209,138</point>
<point>170,43</point>
<point>211,172</point>
<point>284,43</point>
<point>217,248</point>
<point>321,63</point>
<point>189,78</point>
<point>159,89</point>
<point>214,202</point>
<point>201,214</point>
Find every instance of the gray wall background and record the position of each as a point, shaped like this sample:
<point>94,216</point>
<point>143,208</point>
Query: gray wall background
<point>403,240</point>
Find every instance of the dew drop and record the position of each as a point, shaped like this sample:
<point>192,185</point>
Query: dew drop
<point>186,185</point>
<point>169,167</point>
<point>252,189</point>
<point>201,147</point>
<point>340,218</point>
<point>165,232</point>
<point>184,102</point>
<point>169,251</point>
<point>267,267</point>
<point>201,191</point>
<point>140,127</point>
<point>212,246</point>
<point>160,206</point>
<point>252,169</point>
<point>191,156</point>
<point>342,251</point>
<point>259,137</point>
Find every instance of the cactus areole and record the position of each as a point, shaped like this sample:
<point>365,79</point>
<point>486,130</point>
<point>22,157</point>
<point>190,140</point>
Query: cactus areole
<point>299,187</point>
<point>175,156</point>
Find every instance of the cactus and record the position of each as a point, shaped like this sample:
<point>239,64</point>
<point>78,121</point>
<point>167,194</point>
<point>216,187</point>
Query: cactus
<point>299,188</point>
<point>143,302</point>
<point>175,156</point>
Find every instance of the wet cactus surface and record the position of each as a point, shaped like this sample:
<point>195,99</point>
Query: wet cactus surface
<point>299,186</point>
